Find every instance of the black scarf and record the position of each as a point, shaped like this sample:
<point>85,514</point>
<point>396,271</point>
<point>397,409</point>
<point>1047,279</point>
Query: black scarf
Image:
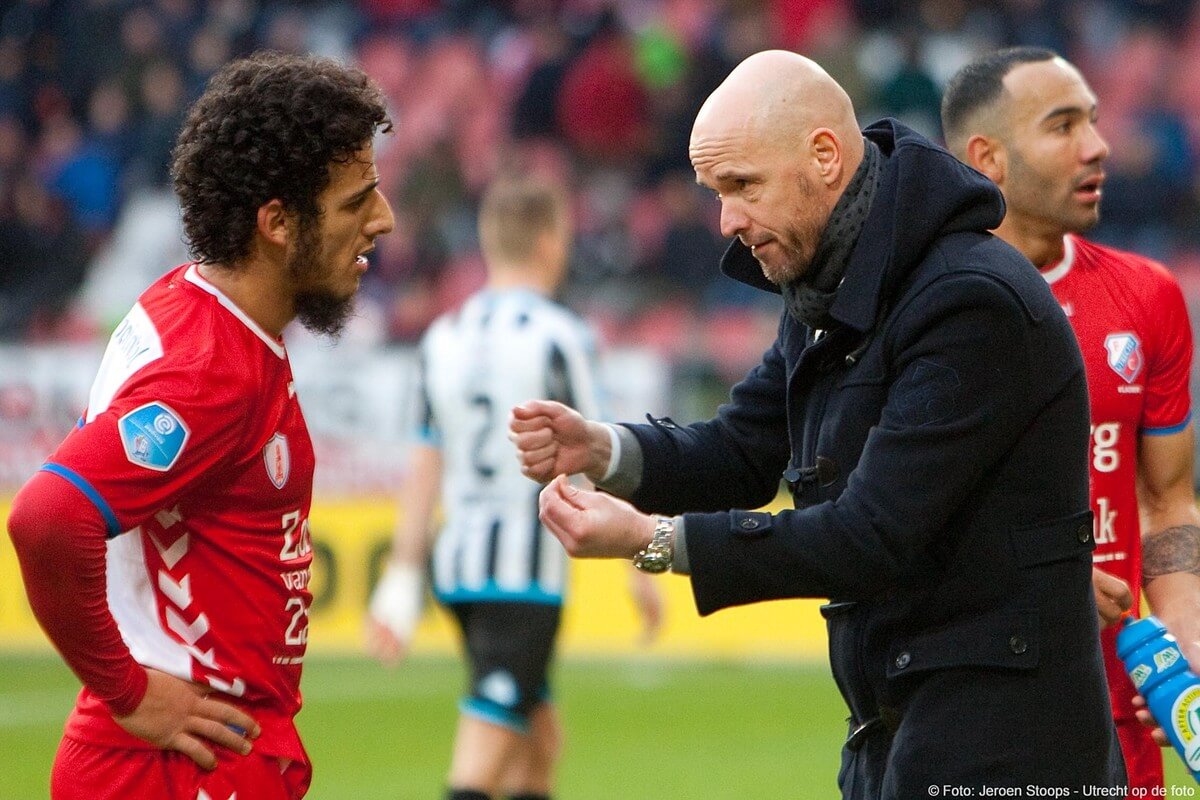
<point>809,298</point>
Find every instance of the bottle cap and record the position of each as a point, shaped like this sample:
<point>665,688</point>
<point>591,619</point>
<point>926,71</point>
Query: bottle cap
<point>1134,632</point>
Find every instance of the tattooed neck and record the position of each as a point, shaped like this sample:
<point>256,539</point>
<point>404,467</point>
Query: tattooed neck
<point>1172,550</point>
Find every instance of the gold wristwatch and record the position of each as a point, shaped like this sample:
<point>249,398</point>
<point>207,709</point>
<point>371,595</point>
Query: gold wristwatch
<point>656,557</point>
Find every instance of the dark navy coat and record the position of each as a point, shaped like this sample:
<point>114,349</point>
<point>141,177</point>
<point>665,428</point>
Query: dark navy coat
<point>936,444</point>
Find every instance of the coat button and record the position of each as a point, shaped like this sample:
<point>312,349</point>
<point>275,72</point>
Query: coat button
<point>827,471</point>
<point>1084,534</point>
<point>1018,644</point>
<point>903,660</point>
<point>749,524</point>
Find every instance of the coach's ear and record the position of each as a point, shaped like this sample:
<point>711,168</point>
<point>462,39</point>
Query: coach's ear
<point>988,156</point>
<point>272,221</point>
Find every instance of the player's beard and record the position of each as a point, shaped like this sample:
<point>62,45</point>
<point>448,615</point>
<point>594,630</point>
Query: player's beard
<point>319,309</point>
<point>1040,196</point>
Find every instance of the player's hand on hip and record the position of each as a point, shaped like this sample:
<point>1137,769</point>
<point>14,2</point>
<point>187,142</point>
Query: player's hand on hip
<point>1113,597</point>
<point>179,715</point>
<point>553,439</point>
<point>593,524</point>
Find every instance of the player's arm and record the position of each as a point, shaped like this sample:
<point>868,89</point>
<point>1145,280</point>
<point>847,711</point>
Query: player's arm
<point>415,531</point>
<point>59,539</point>
<point>58,534</point>
<point>1171,535</point>
<point>396,602</point>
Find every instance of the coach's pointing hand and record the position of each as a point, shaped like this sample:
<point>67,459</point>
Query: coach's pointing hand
<point>553,439</point>
<point>178,715</point>
<point>593,524</point>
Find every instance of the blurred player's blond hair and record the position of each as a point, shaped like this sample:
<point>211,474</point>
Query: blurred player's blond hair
<point>515,212</point>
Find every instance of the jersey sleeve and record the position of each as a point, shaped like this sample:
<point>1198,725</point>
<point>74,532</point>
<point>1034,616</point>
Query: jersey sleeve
<point>164,434</point>
<point>573,371</point>
<point>59,541</point>
<point>1168,398</point>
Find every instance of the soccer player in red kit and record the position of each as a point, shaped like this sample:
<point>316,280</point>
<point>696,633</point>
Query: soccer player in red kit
<point>1026,118</point>
<point>165,545</point>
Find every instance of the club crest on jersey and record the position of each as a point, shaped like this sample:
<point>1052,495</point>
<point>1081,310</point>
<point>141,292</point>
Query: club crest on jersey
<point>278,460</point>
<point>1124,355</point>
<point>153,436</point>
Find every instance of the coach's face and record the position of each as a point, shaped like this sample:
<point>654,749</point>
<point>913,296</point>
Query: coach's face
<point>329,257</point>
<point>1053,175</point>
<point>777,141</point>
<point>767,198</point>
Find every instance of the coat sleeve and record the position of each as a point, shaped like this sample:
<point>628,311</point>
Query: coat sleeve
<point>732,461</point>
<point>960,397</point>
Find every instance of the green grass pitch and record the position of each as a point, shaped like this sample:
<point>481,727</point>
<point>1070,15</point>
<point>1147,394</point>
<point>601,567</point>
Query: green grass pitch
<point>634,729</point>
<point>652,729</point>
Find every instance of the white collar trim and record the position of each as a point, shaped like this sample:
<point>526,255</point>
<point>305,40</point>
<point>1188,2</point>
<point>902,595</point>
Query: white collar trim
<point>193,276</point>
<point>1060,270</point>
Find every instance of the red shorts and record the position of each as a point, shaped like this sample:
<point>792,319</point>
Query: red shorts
<point>97,772</point>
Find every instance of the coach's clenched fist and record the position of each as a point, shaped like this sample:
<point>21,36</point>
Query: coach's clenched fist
<point>554,439</point>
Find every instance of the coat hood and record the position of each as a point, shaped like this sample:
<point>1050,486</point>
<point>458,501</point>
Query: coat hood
<point>924,194</point>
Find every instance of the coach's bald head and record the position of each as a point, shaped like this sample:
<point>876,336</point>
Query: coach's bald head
<point>778,141</point>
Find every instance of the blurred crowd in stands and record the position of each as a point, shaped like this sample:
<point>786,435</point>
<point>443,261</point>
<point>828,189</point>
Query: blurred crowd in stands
<point>600,92</point>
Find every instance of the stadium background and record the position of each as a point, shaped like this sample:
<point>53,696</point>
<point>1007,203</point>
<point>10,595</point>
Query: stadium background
<point>601,92</point>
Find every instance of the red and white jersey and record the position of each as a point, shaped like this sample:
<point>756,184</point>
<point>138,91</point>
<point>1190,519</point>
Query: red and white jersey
<point>194,449</point>
<point>1132,324</point>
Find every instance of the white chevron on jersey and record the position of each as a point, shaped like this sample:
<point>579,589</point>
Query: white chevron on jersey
<point>206,657</point>
<point>178,592</point>
<point>177,550</point>
<point>190,632</point>
<point>169,517</point>
<point>131,598</point>
<point>236,688</point>
<point>203,795</point>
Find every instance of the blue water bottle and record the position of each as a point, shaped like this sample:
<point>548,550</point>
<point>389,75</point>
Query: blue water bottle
<point>1161,675</point>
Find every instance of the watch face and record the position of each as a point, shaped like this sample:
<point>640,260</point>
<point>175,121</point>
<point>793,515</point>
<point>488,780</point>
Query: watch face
<point>652,562</point>
<point>657,556</point>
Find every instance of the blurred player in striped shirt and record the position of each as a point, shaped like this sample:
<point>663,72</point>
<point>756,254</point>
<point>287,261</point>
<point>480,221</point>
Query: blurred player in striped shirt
<point>494,565</point>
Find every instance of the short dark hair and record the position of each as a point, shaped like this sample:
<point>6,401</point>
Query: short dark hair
<point>981,82</point>
<point>267,127</point>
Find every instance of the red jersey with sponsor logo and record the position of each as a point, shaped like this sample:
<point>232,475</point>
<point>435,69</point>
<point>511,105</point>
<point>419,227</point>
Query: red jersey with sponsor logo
<point>195,451</point>
<point>1129,316</point>
<point>1132,324</point>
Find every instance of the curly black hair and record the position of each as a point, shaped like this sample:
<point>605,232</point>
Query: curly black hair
<point>267,127</point>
